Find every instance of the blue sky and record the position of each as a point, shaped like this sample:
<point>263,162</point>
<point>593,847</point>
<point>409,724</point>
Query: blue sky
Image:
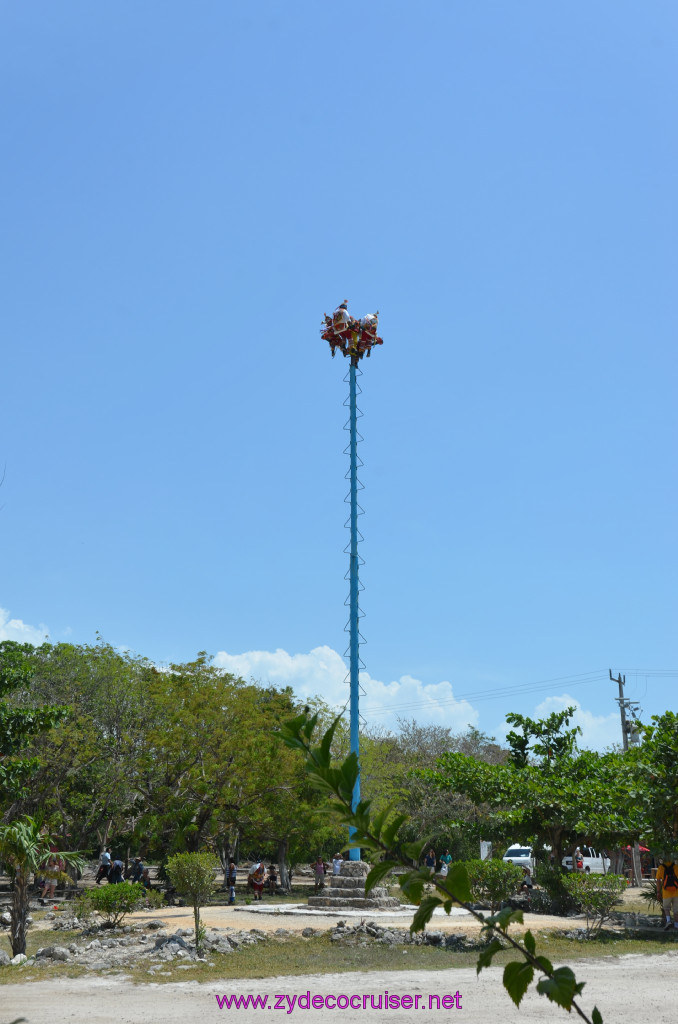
<point>186,189</point>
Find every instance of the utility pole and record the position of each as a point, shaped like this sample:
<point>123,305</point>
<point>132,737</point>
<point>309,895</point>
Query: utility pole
<point>629,732</point>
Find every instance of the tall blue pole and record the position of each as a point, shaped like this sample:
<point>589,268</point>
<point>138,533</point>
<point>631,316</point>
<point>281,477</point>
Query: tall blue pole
<point>354,648</point>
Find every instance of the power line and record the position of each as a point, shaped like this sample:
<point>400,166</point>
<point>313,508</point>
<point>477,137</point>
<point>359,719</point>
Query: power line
<point>581,679</point>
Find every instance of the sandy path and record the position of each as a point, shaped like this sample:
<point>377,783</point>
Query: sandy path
<point>623,989</point>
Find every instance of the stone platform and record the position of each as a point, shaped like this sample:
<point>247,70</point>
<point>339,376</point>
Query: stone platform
<point>346,891</point>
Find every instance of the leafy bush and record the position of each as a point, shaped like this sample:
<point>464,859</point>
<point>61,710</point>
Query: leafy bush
<point>192,875</point>
<point>552,896</point>
<point>493,881</point>
<point>113,902</point>
<point>595,896</point>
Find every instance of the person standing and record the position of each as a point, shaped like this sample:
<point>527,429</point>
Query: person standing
<point>231,878</point>
<point>258,877</point>
<point>430,861</point>
<point>319,871</point>
<point>667,876</point>
<point>445,862</point>
<point>337,861</point>
<point>115,875</point>
<point>104,865</point>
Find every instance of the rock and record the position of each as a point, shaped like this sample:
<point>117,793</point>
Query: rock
<point>434,938</point>
<point>19,959</point>
<point>389,937</point>
<point>6,918</point>
<point>60,953</point>
<point>4,958</point>
<point>94,944</point>
<point>308,932</point>
<point>156,924</point>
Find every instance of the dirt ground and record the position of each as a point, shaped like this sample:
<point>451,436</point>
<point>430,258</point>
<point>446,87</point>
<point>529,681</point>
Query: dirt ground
<point>632,987</point>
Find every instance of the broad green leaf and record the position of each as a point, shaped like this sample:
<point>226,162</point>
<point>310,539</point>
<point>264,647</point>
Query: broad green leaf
<point>596,1016</point>
<point>414,850</point>
<point>504,918</point>
<point>378,872</point>
<point>486,956</point>
<point>517,977</point>
<point>391,830</point>
<point>457,883</point>
<point>545,964</point>
<point>561,988</point>
<point>424,913</point>
<point>530,944</point>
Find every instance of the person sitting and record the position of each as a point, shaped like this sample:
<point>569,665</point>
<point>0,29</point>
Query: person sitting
<point>146,879</point>
<point>527,884</point>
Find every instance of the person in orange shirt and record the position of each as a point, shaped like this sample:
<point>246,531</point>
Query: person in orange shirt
<point>667,877</point>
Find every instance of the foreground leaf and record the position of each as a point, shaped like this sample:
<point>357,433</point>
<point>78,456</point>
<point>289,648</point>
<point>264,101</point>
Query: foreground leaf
<point>517,977</point>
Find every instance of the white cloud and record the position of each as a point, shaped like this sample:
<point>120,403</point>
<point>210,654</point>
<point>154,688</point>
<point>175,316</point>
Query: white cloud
<point>323,672</point>
<point>15,629</point>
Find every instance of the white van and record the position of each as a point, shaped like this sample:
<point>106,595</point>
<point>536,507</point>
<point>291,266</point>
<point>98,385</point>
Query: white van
<point>595,863</point>
<point>520,855</point>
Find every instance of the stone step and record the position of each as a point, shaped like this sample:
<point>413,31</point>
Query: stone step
<point>378,893</point>
<point>335,903</point>
<point>341,882</point>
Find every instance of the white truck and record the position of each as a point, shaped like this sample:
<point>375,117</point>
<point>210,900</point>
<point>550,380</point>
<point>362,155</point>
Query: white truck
<point>595,863</point>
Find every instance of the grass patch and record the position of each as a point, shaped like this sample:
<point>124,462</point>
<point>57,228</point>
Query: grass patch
<point>279,957</point>
<point>297,956</point>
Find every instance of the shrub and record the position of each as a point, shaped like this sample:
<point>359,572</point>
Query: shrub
<point>493,881</point>
<point>192,875</point>
<point>113,902</point>
<point>552,897</point>
<point>595,896</point>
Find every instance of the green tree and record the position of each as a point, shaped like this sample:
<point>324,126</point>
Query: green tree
<point>192,875</point>
<point>548,793</point>
<point>26,848</point>
<point>210,772</point>
<point>652,780</point>
<point>86,783</point>
<point>390,777</point>
<point>18,725</point>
